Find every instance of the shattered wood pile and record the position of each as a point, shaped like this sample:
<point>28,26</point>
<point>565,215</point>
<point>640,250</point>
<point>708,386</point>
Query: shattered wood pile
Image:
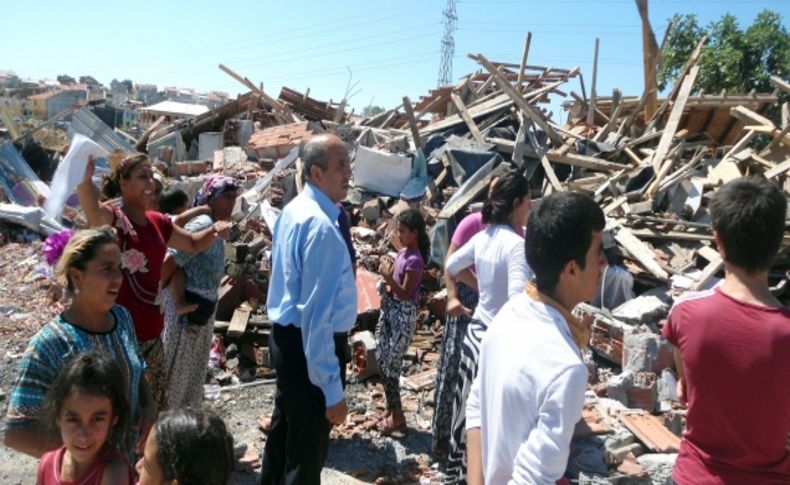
<point>653,174</point>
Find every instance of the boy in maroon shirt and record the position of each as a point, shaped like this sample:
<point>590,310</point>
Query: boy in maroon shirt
<point>732,349</point>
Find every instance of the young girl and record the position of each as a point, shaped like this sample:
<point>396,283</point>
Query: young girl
<point>399,311</point>
<point>187,447</point>
<point>87,406</point>
<point>89,265</point>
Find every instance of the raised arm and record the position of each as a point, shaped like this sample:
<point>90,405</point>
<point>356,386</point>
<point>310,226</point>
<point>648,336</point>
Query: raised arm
<point>195,242</point>
<point>181,219</point>
<point>97,213</point>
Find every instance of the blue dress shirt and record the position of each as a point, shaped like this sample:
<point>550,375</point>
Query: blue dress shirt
<point>312,285</point>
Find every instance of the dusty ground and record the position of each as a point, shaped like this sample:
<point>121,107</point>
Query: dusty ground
<point>356,449</point>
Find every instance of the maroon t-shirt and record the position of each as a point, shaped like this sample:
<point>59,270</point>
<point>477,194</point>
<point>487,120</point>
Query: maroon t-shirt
<point>737,359</point>
<point>142,254</point>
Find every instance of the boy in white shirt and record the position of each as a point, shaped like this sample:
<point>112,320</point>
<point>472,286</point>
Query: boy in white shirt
<point>529,390</point>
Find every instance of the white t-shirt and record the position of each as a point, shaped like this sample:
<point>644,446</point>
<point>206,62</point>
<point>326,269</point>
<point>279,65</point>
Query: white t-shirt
<point>528,394</point>
<point>502,270</point>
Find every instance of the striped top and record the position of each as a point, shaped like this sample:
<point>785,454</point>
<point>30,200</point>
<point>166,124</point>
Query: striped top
<point>50,349</point>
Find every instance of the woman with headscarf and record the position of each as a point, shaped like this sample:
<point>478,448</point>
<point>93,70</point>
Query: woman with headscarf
<point>187,338</point>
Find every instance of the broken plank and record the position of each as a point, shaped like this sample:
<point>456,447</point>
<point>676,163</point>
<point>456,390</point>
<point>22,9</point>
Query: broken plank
<point>583,161</point>
<point>422,381</point>
<point>464,113</point>
<point>639,251</point>
<point>520,79</point>
<point>469,195</point>
<point>778,170</point>
<point>713,267</point>
<point>544,162</point>
<point>519,100</point>
<point>674,119</point>
<point>415,130</point>
<point>591,109</point>
<point>748,116</point>
<point>238,323</point>
<point>780,84</point>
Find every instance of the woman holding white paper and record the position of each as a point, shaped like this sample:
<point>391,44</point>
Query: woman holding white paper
<point>143,236</point>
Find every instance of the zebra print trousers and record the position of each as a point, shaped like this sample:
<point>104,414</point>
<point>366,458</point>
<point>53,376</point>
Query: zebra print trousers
<point>456,459</point>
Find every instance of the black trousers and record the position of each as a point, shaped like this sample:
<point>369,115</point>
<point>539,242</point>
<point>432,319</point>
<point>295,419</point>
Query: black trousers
<point>297,444</point>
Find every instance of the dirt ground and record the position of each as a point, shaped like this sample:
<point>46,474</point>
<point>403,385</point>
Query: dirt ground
<point>356,449</point>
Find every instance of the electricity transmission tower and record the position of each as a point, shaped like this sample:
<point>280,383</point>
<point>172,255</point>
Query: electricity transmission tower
<point>448,45</point>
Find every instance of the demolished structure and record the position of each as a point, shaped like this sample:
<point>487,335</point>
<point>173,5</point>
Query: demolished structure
<point>652,173</point>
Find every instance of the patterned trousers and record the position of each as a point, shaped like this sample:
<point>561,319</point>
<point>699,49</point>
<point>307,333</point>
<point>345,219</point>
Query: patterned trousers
<point>453,334</point>
<point>155,374</point>
<point>456,459</point>
<point>397,322</point>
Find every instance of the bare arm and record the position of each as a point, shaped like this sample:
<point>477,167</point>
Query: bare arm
<point>189,214</point>
<point>116,473</point>
<point>679,367</point>
<point>96,213</point>
<point>169,267</point>
<point>33,441</point>
<point>454,306</point>
<point>148,413</point>
<point>409,281</point>
<point>474,457</point>
<point>195,242</point>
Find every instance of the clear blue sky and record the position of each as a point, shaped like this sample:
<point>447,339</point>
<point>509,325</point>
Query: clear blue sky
<point>392,48</point>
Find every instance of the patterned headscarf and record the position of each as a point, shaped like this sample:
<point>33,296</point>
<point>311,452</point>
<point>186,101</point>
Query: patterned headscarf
<point>213,186</point>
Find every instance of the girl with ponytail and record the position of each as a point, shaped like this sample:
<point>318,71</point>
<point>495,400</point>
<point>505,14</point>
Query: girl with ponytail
<point>497,254</point>
<point>398,318</point>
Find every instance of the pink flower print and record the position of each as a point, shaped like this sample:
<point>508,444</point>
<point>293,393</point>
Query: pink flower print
<point>134,261</point>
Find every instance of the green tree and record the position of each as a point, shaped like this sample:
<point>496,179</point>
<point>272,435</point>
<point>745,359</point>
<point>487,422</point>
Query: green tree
<point>731,59</point>
<point>372,110</point>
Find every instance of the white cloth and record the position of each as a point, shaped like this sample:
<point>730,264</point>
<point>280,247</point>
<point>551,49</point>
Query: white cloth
<point>70,172</point>
<point>502,270</point>
<point>528,394</point>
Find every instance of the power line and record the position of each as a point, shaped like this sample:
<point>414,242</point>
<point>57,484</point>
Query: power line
<point>304,31</point>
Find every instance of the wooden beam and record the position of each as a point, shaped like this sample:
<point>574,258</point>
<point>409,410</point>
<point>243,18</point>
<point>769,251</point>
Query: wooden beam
<point>618,106</point>
<point>252,87</point>
<point>591,109</point>
<point>649,55</point>
<point>544,162</point>
<point>238,323</point>
<point>5,116</point>
<point>470,123</point>
<point>639,251</point>
<point>674,119</point>
<point>520,80</point>
<point>692,60</point>
<point>748,116</point>
<point>415,130</point>
<point>778,170</point>
<point>590,163</point>
<point>469,195</point>
<point>780,84</point>
<point>710,270</point>
<point>140,146</point>
<point>519,100</point>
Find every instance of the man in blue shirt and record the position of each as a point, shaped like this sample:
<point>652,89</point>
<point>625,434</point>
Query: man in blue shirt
<point>313,302</point>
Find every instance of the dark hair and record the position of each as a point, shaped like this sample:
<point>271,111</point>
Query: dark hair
<point>172,200</point>
<point>498,207</point>
<point>92,372</point>
<point>749,216</point>
<point>558,231</point>
<point>81,249</point>
<point>195,447</point>
<point>111,187</point>
<point>412,219</point>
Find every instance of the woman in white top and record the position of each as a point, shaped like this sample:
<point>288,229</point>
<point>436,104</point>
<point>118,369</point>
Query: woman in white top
<point>497,253</point>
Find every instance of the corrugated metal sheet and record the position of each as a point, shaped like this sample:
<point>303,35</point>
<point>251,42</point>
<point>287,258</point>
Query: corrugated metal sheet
<point>16,176</point>
<point>88,124</point>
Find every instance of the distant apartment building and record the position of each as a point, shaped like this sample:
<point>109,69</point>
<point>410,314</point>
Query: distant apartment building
<point>48,104</point>
<point>171,110</point>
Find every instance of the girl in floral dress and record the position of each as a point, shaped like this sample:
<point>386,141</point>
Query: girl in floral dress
<point>143,236</point>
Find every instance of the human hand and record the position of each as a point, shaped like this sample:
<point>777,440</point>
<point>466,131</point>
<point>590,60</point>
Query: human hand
<point>681,390</point>
<point>337,414</point>
<point>456,309</point>
<point>385,267</point>
<point>222,229</point>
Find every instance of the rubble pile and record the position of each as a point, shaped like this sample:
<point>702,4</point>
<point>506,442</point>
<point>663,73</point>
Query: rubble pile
<point>652,170</point>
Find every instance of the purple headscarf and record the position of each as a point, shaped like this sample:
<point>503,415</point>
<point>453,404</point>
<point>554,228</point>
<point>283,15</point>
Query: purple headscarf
<point>213,186</point>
